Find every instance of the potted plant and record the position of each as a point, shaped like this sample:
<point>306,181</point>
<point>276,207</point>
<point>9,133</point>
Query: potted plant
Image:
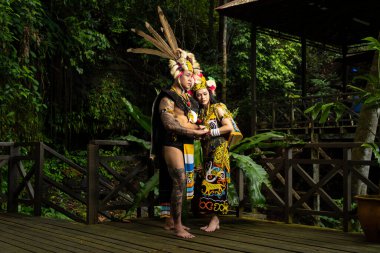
<point>369,206</point>
<point>369,216</point>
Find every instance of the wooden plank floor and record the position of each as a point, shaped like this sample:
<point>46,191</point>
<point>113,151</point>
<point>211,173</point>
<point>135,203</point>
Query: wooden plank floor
<point>32,234</point>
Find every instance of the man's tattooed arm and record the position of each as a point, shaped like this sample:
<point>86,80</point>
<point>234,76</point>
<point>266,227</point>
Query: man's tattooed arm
<point>166,109</point>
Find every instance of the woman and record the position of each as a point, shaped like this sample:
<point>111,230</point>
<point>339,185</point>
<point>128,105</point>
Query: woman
<point>216,171</point>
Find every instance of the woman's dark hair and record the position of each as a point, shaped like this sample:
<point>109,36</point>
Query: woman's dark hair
<point>212,98</point>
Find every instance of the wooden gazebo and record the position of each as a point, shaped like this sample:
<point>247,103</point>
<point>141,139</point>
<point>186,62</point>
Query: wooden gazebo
<point>335,24</point>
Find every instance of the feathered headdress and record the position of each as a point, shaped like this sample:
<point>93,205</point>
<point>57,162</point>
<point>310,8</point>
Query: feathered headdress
<point>201,83</point>
<point>179,60</point>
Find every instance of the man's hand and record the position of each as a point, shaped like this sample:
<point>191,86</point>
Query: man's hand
<point>200,132</point>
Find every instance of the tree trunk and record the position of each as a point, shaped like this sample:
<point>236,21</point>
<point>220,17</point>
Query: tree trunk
<point>366,133</point>
<point>211,22</point>
<point>223,33</point>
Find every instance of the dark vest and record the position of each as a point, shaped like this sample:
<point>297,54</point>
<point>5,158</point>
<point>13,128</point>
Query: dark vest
<point>158,130</point>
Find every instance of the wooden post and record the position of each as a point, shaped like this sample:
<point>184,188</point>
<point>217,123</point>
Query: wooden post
<point>92,184</point>
<point>151,194</point>
<point>38,180</point>
<point>12,179</point>
<point>292,117</point>
<point>316,174</point>
<point>347,194</point>
<point>240,190</point>
<point>288,184</point>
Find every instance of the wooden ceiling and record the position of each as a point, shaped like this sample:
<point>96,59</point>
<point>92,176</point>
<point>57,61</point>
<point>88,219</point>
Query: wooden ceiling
<point>333,22</point>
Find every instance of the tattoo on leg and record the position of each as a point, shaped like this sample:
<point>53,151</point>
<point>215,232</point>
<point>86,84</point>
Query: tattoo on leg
<point>179,182</point>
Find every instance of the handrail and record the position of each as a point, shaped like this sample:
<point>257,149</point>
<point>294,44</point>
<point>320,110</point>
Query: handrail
<point>297,165</point>
<point>283,170</point>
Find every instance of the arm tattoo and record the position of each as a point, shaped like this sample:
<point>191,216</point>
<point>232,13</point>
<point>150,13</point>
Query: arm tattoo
<point>168,120</point>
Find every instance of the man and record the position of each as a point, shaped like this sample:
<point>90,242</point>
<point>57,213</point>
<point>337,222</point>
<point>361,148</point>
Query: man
<point>173,133</point>
<point>173,125</point>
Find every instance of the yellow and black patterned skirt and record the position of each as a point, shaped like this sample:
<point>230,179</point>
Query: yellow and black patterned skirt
<point>213,197</point>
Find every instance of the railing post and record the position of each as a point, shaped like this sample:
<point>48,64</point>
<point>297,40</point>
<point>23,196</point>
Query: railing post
<point>240,190</point>
<point>38,174</point>
<point>316,175</point>
<point>151,194</point>
<point>92,184</point>
<point>347,195</point>
<point>13,175</point>
<point>288,184</point>
<point>292,118</point>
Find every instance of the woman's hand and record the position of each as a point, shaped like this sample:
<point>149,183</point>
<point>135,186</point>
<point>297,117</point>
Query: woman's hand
<point>200,132</point>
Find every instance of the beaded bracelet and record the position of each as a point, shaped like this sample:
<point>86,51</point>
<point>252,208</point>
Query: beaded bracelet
<point>215,132</point>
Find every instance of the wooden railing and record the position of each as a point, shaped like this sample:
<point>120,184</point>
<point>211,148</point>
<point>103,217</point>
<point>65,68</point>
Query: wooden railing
<point>319,168</point>
<point>29,184</point>
<point>96,189</point>
<point>109,189</point>
<point>302,178</point>
<point>288,113</point>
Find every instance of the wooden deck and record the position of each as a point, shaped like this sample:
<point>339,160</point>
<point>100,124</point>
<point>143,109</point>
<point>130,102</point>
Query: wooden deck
<point>34,234</point>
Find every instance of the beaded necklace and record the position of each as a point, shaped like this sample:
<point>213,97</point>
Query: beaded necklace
<point>191,115</point>
<point>186,100</point>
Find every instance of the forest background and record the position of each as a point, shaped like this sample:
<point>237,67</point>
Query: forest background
<point>64,66</point>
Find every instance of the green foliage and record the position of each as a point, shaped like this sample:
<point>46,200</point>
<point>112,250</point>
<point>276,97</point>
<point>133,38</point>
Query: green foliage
<point>140,118</point>
<point>255,175</point>
<point>326,110</point>
<point>232,196</point>
<point>143,193</point>
<point>145,144</point>
<point>21,104</point>
<point>277,59</point>
<point>370,96</point>
<point>375,150</point>
<point>105,106</point>
<point>277,139</point>
<point>331,222</point>
<point>322,74</point>
<point>198,154</point>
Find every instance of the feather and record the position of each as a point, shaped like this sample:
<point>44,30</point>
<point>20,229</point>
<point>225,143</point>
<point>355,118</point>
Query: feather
<point>148,51</point>
<point>150,39</point>
<point>169,34</point>
<point>160,40</point>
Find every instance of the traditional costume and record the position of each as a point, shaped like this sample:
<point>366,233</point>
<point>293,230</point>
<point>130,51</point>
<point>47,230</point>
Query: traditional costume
<point>216,170</point>
<point>179,60</point>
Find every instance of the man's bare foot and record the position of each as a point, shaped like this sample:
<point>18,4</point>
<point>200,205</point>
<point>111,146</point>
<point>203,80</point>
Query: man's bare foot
<point>212,226</point>
<point>183,233</point>
<point>171,227</point>
<point>169,224</point>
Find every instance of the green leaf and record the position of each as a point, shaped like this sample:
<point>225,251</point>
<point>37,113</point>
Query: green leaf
<point>375,149</point>
<point>143,193</point>
<point>326,110</point>
<point>233,198</point>
<point>143,143</point>
<point>135,112</point>
<point>198,156</point>
<point>256,176</point>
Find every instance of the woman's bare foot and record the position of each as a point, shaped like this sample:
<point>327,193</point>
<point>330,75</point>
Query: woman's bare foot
<point>212,226</point>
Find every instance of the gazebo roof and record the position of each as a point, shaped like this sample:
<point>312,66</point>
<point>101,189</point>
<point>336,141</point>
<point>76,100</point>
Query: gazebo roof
<point>332,22</point>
